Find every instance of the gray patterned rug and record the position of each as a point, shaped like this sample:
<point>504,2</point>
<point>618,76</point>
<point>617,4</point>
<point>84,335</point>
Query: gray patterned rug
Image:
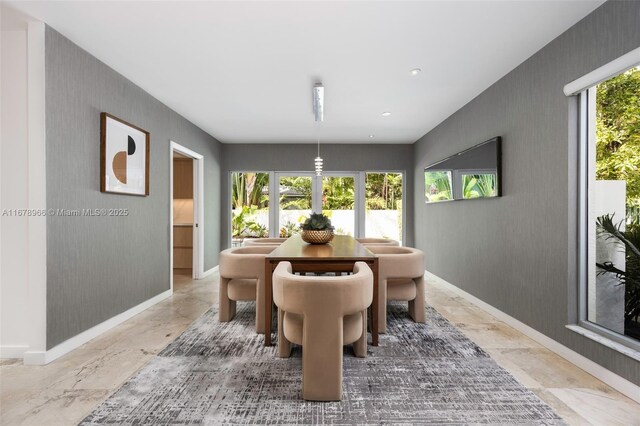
<point>220,373</point>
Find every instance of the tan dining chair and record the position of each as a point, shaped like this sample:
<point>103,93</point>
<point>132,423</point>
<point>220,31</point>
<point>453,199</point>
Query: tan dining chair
<point>322,314</point>
<point>400,277</point>
<point>248,242</point>
<point>377,241</point>
<point>242,279</point>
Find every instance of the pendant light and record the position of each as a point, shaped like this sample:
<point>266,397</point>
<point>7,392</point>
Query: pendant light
<point>318,112</point>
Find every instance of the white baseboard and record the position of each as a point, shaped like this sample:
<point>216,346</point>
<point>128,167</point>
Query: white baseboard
<point>45,357</point>
<point>617,382</point>
<point>12,351</point>
<point>209,272</point>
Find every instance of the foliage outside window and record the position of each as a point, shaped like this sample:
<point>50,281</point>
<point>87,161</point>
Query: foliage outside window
<point>338,202</point>
<point>295,203</point>
<point>250,205</point>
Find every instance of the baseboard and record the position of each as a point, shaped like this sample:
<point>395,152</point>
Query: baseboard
<point>617,382</point>
<point>13,351</point>
<point>209,272</point>
<point>45,357</point>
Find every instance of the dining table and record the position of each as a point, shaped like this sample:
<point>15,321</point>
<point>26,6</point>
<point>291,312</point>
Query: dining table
<point>337,256</point>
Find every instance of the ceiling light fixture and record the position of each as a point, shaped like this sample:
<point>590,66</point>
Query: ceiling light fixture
<point>386,114</point>
<point>372,136</point>
<point>318,112</point>
<point>415,71</point>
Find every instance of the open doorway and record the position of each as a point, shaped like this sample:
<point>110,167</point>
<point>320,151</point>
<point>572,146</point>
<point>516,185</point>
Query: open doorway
<point>186,225</point>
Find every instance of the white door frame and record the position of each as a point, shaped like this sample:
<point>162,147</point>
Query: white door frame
<point>198,210</point>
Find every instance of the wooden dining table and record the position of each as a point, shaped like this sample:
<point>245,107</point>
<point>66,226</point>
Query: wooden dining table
<point>337,256</point>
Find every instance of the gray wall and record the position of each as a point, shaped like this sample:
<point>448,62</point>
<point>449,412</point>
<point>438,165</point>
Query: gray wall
<point>518,252</point>
<point>299,158</point>
<point>98,267</point>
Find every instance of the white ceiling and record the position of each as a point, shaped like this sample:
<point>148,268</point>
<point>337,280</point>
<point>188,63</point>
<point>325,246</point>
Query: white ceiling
<point>243,71</point>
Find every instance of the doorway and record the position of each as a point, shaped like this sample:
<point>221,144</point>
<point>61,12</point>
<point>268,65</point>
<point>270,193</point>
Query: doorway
<point>186,213</point>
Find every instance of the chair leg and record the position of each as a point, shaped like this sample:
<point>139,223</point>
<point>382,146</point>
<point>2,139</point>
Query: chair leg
<point>382,306</point>
<point>284,346</point>
<point>322,359</point>
<point>360,345</point>
<point>227,307</point>
<point>260,327</point>
<point>417,305</point>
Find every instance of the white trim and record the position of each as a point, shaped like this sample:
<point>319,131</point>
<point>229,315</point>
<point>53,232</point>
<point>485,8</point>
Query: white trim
<point>209,272</point>
<point>45,357</point>
<point>198,210</point>
<point>617,382</point>
<point>621,64</point>
<point>13,351</point>
<point>603,340</point>
<point>37,187</point>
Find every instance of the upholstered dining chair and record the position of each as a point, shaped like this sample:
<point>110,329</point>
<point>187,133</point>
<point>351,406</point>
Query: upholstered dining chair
<point>377,241</point>
<point>242,279</point>
<point>400,277</point>
<point>322,314</point>
<point>248,242</point>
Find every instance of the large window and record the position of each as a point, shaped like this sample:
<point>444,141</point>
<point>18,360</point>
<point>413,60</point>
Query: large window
<point>360,204</point>
<point>610,290</point>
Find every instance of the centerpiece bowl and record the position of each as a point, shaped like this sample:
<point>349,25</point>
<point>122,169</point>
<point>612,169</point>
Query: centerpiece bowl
<point>317,229</point>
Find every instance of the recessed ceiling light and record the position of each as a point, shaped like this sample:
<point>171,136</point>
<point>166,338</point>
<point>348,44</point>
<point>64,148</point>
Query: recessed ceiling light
<point>372,136</point>
<point>415,71</point>
<point>386,114</point>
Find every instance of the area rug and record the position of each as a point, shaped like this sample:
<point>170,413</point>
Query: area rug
<point>220,373</point>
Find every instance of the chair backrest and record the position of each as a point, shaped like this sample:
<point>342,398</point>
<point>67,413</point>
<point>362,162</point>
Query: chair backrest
<point>244,262</point>
<point>323,296</point>
<point>377,241</point>
<point>248,242</point>
<point>398,262</point>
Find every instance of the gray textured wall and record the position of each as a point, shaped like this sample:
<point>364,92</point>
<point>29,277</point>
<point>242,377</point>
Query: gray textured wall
<point>100,267</point>
<point>518,252</point>
<point>299,158</point>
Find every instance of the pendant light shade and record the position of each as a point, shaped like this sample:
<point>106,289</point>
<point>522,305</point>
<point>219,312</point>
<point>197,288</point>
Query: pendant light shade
<point>318,112</point>
<point>318,162</point>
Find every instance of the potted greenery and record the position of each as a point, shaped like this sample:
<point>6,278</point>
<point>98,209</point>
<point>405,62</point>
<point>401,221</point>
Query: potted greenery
<point>317,229</point>
<point>628,276</point>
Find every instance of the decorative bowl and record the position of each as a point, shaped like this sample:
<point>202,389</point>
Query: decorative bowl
<point>317,237</point>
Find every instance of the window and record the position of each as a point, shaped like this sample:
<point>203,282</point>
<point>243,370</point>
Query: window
<point>360,204</point>
<point>249,206</point>
<point>339,202</point>
<point>383,218</point>
<point>610,207</point>
<point>295,202</point>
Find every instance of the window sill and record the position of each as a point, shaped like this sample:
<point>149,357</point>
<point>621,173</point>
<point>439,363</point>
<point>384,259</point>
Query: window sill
<point>619,347</point>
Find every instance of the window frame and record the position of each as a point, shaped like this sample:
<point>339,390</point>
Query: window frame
<point>360,202</point>
<point>586,143</point>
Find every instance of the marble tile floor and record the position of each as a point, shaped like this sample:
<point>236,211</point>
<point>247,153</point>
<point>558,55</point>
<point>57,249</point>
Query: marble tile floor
<point>68,389</point>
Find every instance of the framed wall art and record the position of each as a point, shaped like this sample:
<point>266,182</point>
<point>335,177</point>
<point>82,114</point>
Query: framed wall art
<point>124,157</point>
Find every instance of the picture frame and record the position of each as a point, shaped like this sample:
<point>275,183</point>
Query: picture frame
<point>124,157</point>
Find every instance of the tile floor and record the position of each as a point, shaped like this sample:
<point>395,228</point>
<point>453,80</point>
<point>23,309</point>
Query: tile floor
<point>65,391</point>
